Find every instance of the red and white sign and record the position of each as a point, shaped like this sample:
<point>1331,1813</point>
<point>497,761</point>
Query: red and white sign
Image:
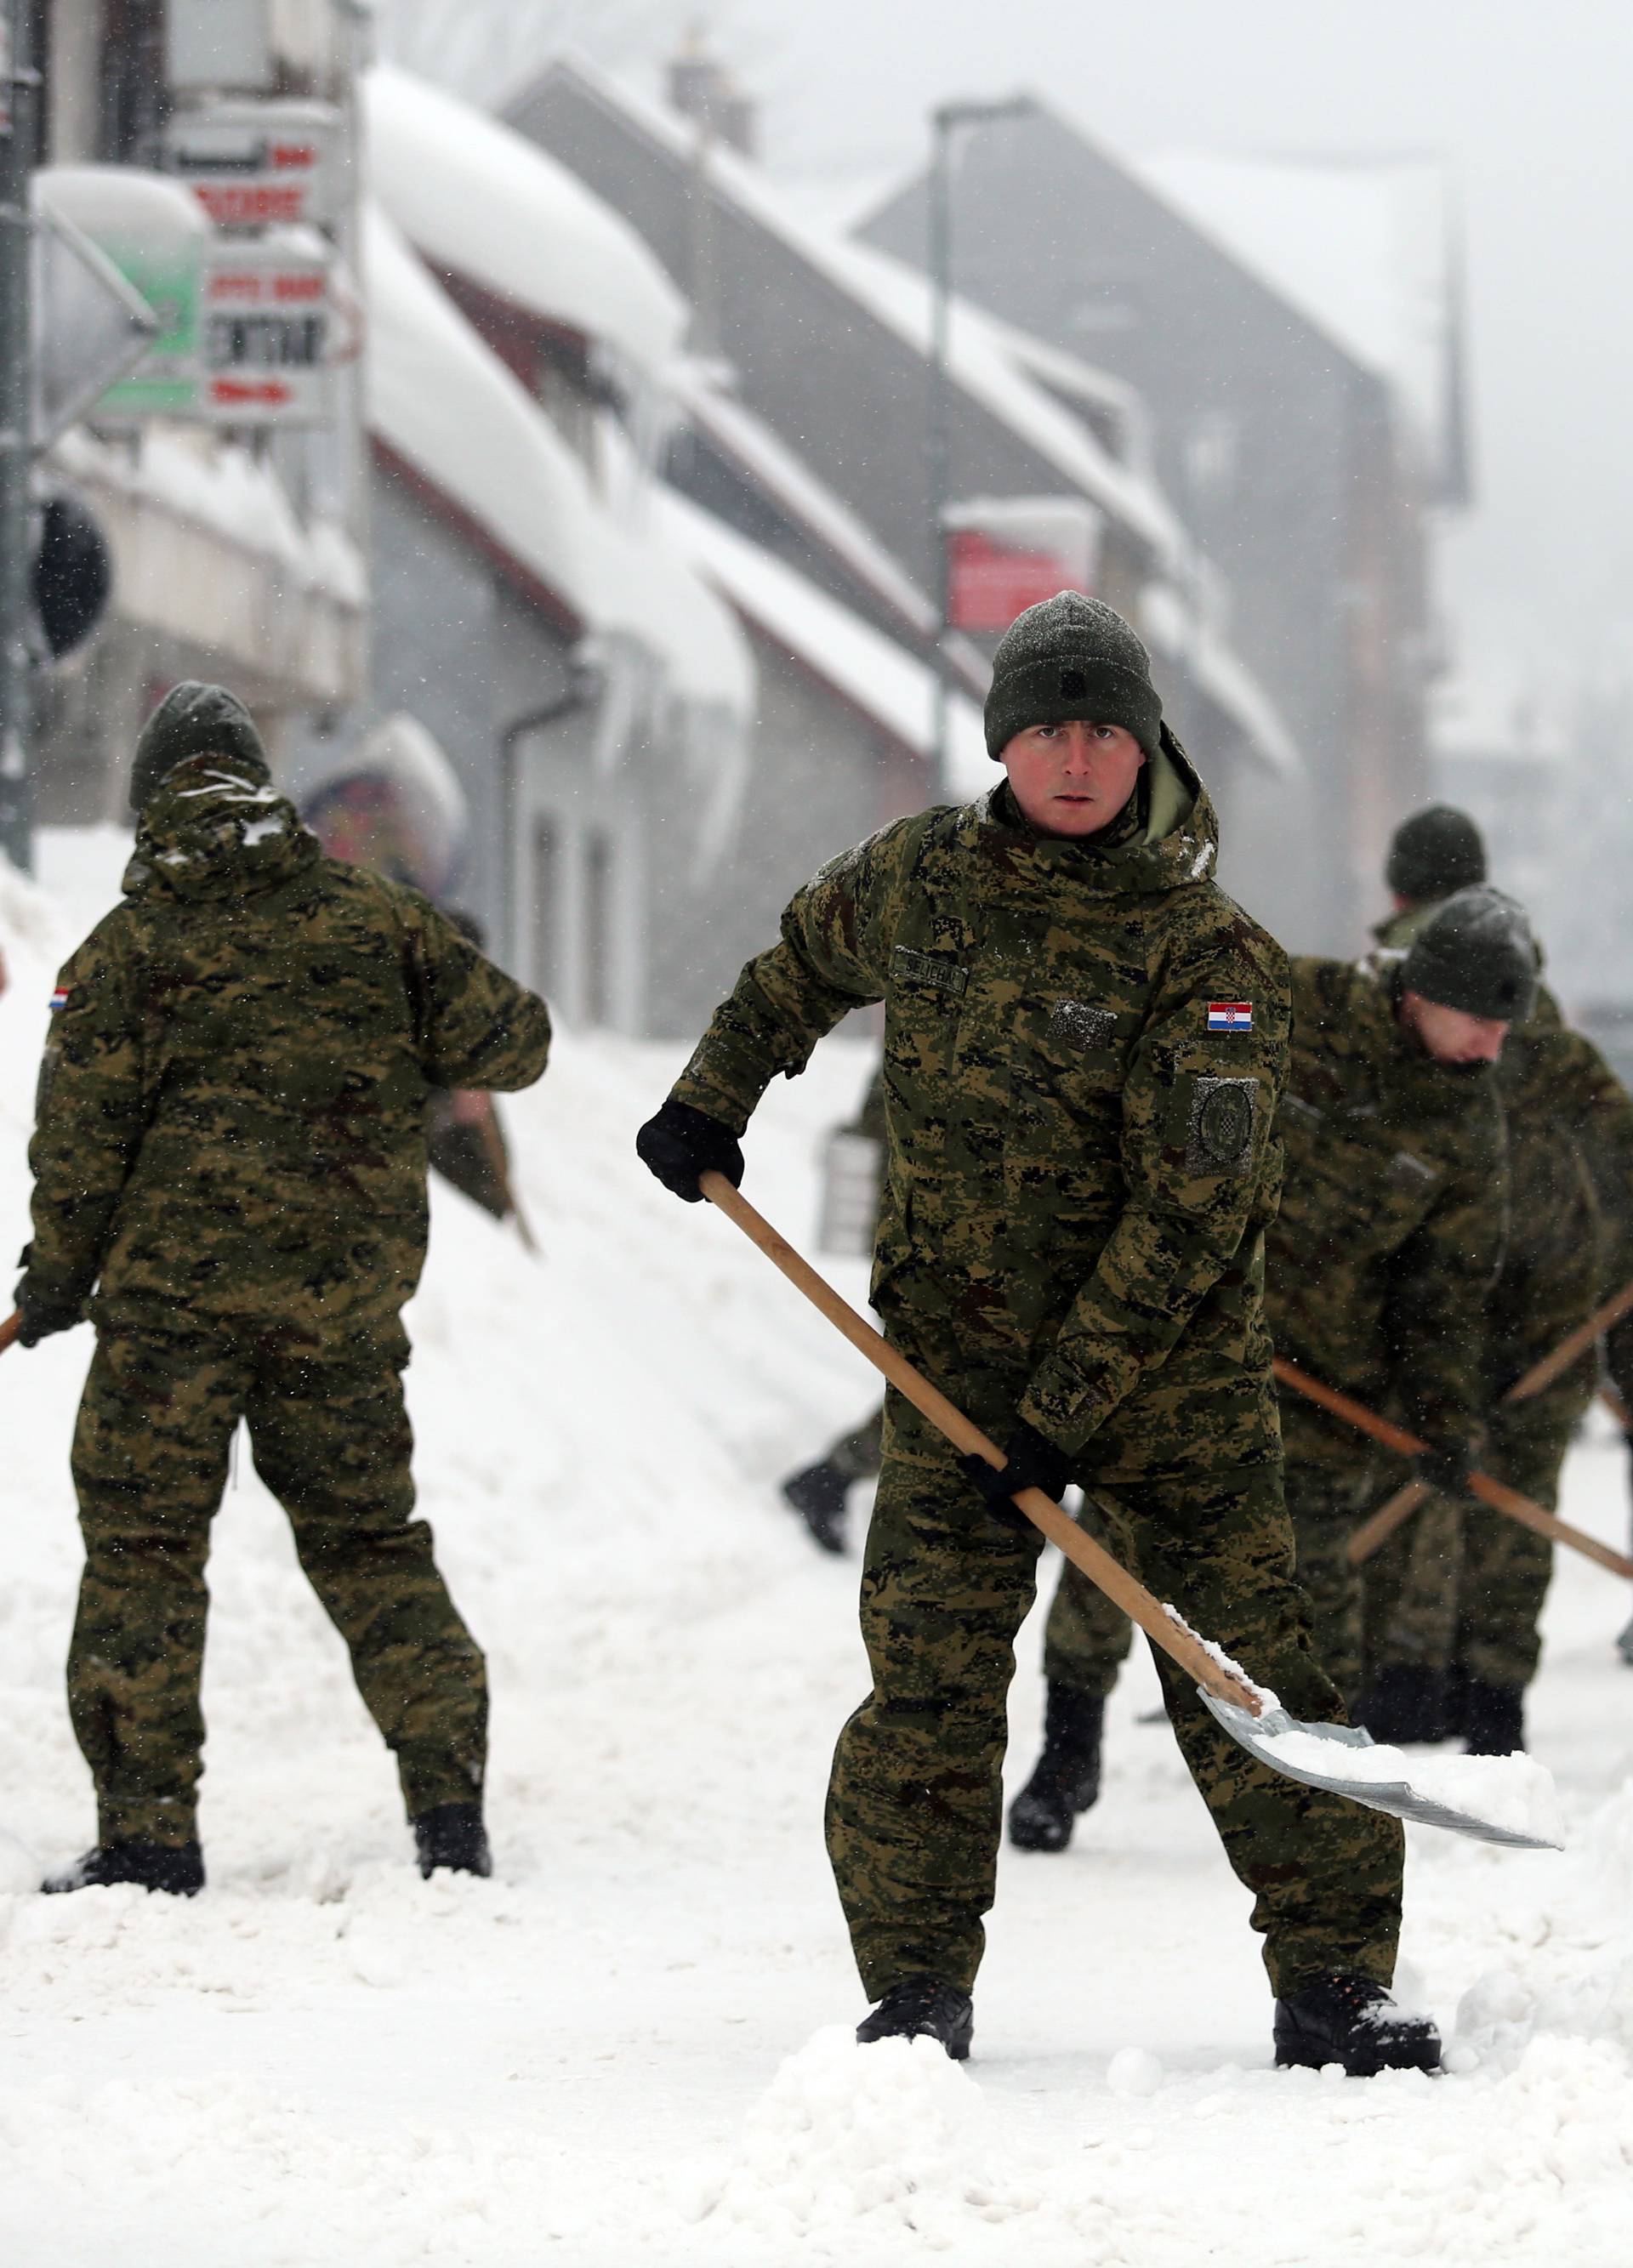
<point>1005,554</point>
<point>258,165</point>
<point>271,334</point>
<point>991,583</point>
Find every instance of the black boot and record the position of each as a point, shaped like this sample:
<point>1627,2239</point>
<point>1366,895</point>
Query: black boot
<point>818,1495</point>
<point>922,2007</point>
<point>1493,1719</point>
<point>1067,1778</point>
<point>177,1868</point>
<point>1624,1646</point>
<point>1405,1702</point>
<point>1345,2019</point>
<point>452,1835</point>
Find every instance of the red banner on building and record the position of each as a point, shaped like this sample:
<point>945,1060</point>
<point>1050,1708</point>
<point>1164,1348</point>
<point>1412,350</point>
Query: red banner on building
<point>991,582</point>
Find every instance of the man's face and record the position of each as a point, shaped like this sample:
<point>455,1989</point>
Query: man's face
<point>1449,1034</point>
<point>1073,780</point>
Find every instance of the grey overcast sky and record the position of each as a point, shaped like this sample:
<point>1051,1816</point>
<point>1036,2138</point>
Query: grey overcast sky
<point>1532,100</point>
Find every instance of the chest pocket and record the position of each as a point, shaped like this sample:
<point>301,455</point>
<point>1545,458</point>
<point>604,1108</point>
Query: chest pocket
<point>1082,1050</point>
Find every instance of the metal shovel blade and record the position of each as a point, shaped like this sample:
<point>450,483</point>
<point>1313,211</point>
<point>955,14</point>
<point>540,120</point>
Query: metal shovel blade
<point>1258,1735</point>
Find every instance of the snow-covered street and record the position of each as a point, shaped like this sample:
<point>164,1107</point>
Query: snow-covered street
<point>325,2060</point>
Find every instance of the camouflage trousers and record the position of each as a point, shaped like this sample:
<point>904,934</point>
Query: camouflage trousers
<point>915,1802</point>
<point>331,1438</point>
<point>1087,1638</point>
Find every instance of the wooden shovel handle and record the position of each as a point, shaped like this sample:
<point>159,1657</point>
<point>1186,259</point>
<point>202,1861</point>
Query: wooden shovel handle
<point>1375,1532</point>
<point>1499,1498</point>
<point>10,1328</point>
<point>1176,1640</point>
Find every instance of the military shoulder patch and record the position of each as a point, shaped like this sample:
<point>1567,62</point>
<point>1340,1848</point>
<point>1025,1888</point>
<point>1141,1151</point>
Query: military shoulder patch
<point>1219,1125</point>
<point>1235,1016</point>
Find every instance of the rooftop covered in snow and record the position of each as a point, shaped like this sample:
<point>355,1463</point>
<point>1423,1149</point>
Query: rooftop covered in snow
<point>485,204</point>
<point>445,404</point>
<point>892,688</point>
<point>1365,248</point>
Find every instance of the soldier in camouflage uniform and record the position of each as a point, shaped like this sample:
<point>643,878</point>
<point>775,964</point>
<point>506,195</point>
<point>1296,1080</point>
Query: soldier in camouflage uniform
<point>230,1178</point>
<point>1461,1588</point>
<point>819,1492</point>
<point>1380,1262</point>
<point>1084,1043</point>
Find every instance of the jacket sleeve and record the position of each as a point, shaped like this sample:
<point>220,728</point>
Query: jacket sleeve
<point>1202,1170</point>
<point>1441,1282</point>
<point>90,1112</point>
<point>832,956</point>
<point>475,1025</point>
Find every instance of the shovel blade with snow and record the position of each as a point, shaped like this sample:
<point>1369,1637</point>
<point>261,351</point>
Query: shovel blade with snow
<point>1313,1753</point>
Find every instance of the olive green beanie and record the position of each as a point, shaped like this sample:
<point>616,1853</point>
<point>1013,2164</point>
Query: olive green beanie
<point>1071,658</point>
<point>1434,852</point>
<point>195,720</point>
<point>1478,955</point>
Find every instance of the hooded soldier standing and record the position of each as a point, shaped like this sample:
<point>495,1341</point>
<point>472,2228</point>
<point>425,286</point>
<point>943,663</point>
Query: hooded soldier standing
<point>1084,1043</point>
<point>229,1166</point>
<point>1378,1272</point>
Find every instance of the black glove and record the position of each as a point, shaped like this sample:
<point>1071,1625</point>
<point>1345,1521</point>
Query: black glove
<point>40,1317</point>
<point>681,1143</point>
<point>1030,1463</point>
<point>1445,1465</point>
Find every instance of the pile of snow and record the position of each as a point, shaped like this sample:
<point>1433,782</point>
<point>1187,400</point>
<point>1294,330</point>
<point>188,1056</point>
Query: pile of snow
<point>480,200</point>
<point>324,2061</point>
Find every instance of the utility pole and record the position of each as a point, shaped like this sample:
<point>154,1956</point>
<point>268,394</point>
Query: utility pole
<point>945,119</point>
<point>18,87</point>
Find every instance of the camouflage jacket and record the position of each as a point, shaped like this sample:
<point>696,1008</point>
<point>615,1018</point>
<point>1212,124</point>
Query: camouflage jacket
<point>231,1124</point>
<point>1569,1135</point>
<point>1394,1206</point>
<point>1083,1048</point>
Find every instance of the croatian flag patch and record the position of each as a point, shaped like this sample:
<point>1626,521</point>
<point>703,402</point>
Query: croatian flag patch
<point>59,999</point>
<point>1229,1015</point>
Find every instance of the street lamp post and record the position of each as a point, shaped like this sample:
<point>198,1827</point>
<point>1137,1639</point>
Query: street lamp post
<point>945,119</point>
<point>19,81</point>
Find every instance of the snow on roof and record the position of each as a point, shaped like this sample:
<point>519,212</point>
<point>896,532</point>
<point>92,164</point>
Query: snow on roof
<point>478,199</point>
<point>876,675</point>
<point>898,298</point>
<point>785,477</point>
<point>1364,249</point>
<point>445,402</point>
<point>1171,626</point>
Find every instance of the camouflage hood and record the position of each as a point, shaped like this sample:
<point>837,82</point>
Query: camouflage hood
<point>213,829</point>
<point>1174,842</point>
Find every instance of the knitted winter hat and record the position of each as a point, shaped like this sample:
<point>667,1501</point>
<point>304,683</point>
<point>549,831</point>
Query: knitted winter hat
<point>195,720</point>
<point>1434,852</point>
<point>1071,657</point>
<point>1477,954</point>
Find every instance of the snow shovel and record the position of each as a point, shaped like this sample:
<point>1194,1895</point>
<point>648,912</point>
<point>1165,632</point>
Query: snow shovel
<point>10,1328</point>
<point>1313,1753</point>
<point>1377,1531</point>
<point>1500,1497</point>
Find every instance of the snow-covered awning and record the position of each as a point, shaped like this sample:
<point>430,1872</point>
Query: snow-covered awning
<point>485,204</point>
<point>1171,625</point>
<point>444,402</point>
<point>868,671</point>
